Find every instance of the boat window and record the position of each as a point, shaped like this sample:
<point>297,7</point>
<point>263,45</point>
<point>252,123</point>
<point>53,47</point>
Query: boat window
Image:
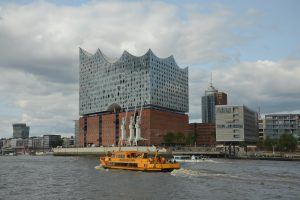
<point>121,156</point>
<point>182,157</point>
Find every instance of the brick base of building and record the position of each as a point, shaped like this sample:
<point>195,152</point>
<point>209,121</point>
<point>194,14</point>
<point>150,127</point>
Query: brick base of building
<point>105,129</point>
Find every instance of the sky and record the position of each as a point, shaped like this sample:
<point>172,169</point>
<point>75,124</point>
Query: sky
<point>252,49</point>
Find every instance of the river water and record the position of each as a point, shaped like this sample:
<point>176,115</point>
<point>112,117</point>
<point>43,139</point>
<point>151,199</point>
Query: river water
<point>48,177</point>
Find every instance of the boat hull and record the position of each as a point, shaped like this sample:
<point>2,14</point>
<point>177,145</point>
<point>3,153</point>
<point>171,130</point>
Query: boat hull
<point>137,161</point>
<point>141,169</point>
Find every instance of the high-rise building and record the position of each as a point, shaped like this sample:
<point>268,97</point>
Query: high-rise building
<point>20,130</point>
<point>221,98</point>
<point>236,124</point>
<point>278,124</point>
<point>211,98</point>
<point>110,87</point>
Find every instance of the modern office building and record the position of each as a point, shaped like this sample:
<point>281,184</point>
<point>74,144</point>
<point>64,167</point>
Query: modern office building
<point>110,87</point>
<point>19,143</point>
<point>20,130</point>
<point>278,124</point>
<point>36,143</point>
<point>211,98</point>
<point>236,124</point>
<point>261,128</point>
<point>50,141</point>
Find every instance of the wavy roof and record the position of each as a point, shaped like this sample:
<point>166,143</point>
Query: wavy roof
<point>125,53</point>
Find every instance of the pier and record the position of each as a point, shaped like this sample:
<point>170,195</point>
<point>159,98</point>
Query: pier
<point>86,151</point>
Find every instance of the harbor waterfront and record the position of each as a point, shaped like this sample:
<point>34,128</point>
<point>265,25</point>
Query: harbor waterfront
<point>58,177</point>
<point>207,152</point>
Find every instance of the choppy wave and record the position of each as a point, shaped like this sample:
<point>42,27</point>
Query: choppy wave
<point>197,173</point>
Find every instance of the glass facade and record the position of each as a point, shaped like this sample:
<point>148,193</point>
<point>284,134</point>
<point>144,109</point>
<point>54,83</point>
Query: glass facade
<point>20,131</point>
<point>131,81</point>
<point>208,109</point>
<point>278,124</point>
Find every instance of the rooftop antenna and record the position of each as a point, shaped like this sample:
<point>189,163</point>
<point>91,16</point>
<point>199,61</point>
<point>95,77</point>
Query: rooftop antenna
<point>210,78</point>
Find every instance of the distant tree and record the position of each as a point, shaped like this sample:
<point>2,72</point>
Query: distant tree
<point>260,144</point>
<point>179,138</point>
<point>287,142</point>
<point>169,138</point>
<point>269,143</point>
<point>213,136</point>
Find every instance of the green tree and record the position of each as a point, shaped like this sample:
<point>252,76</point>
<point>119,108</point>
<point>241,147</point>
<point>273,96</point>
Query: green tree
<point>179,138</point>
<point>190,139</point>
<point>269,143</point>
<point>287,142</point>
<point>260,144</point>
<point>169,138</point>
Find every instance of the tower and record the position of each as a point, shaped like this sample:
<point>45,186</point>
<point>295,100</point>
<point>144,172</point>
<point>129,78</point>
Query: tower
<point>210,99</point>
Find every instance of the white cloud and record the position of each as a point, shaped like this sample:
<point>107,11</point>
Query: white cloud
<point>272,87</point>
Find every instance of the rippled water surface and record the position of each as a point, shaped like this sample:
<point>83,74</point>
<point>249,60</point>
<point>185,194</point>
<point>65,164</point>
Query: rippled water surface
<point>47,177</point>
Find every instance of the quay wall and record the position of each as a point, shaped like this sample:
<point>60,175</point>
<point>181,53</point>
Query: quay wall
<point>82,151</point>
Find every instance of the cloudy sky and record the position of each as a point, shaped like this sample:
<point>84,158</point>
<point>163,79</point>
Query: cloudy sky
<point>251,47</point>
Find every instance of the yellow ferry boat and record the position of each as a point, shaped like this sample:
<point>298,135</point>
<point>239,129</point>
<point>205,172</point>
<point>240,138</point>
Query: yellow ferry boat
<point>134,160</point>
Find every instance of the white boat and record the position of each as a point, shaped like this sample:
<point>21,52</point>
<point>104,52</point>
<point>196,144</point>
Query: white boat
<point>187,158</point>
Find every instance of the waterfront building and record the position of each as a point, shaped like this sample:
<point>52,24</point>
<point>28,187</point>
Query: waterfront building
<point>236,124</point>
<point>205,133</point>
<point>278,124</point>
<point>68,142</point>
<point>20,130</point>
<point>6,143</point>
<point>36,143</point>
<point>19,143</point>
<point>261,128</point>
<point>110,87</point>
<point>211,98</point>
<point>76,130</point>
<point>50,141</point>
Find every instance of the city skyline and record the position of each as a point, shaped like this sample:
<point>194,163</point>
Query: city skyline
<point>251,48</point>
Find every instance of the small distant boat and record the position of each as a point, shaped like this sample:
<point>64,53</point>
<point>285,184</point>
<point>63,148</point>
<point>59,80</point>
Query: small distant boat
<point>139,161</point>
<point>39,153</point>
<point>187,158</point>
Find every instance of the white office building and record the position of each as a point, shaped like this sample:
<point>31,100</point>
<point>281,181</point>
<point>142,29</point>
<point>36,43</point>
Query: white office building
<point>236,124</point>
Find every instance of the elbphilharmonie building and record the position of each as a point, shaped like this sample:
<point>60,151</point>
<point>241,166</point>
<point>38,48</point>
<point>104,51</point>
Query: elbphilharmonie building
<point>130,81</point>
<point>148,87</point>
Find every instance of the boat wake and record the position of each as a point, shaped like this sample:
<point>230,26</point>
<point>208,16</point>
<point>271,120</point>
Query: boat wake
<point>98,167</point>
<point>196,173</point>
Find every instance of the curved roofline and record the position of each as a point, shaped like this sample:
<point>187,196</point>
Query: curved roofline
<point>112,60</point>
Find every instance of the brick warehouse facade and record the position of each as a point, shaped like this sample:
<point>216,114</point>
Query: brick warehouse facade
<point>206,133</point>
<point>104,130</point>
